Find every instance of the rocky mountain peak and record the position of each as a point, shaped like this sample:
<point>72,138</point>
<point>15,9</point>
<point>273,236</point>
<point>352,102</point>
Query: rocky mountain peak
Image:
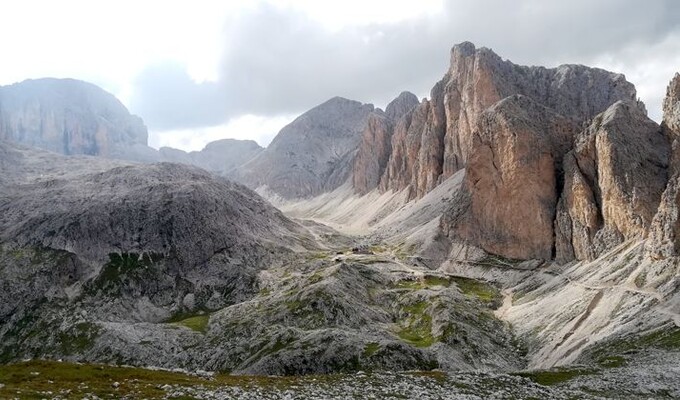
<point>611,193</point>
<point>312,154</point>
<point>220,156</point>
<point>436,139</point>
<point>230,143</point>
<point>462,50</point>
<point>402,104</point>
<point>511,179</point>
<point>665,232</point>
<point>70,117</point>
<point>671,107</point>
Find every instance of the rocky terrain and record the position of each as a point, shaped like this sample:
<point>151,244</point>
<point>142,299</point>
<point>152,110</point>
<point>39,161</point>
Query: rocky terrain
<point>130,242</point>
<point>168,265</point>
<point>517,233</point>
<point>311,155</point>
<point>61,380</point>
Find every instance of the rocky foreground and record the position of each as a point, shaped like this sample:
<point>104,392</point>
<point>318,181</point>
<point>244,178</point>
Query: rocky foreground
<point>56,380</point>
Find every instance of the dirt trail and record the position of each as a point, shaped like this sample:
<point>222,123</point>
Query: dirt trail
<point>628,287</point>
<point>507,304</point>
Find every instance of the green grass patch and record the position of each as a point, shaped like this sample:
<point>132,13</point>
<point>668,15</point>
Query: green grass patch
<point>492,260</point>
<point>370,349</point>
<point>409,284</point>
<point>79,338</point>
<point>474,288</point>
<point>437,281</point>
<point>417,328</point>
<point>34,378</point>
<point>315,278</point>
<point>612,362</point>
<point>664,338</point>
<point>294,305</point>
<point>197,323</point>
<point>555,376</point>
<point>428,281</point>
<point>122,266</point>
<point>316,255</point>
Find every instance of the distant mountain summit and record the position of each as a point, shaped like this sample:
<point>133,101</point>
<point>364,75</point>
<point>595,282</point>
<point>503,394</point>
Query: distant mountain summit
<point>71,117</point>
<point>311,155</point>
<point>220,156</point>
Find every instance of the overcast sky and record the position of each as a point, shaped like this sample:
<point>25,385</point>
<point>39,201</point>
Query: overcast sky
<point>198,71</point>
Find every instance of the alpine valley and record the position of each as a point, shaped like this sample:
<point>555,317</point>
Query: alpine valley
<point>514,235</point>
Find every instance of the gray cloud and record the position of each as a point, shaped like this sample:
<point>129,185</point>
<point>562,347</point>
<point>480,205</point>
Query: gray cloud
<point>168,99</point>
<point>279,61</point>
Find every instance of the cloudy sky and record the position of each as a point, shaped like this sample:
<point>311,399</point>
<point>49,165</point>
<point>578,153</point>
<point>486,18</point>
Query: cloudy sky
<point>197,71</point>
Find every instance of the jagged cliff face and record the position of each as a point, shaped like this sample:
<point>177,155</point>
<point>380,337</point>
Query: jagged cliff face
<point>374,152</point>
<point>671,108</point>
<point>665,230</point>
<point>613,183</point>
<point>527,195</point>
<point>376,142</point>
<point>71,117</point>
<point>312,154</point>
<point>516,131</point>
<point>439,138</point>
<point>511,180</point>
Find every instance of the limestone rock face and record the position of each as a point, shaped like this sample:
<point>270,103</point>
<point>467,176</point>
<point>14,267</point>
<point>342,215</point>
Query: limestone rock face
<point>220,156</point>
<point>71,117</point>
<point>373,153</point>
<point>312,154</point>
<point>402,168</point>
<point>665,232</point>
<point>527,192</point>
<point>376,142</point>
<point>613,182</point>
<point>478,78</point>
<point>511,179</point>
<point>671,107</point>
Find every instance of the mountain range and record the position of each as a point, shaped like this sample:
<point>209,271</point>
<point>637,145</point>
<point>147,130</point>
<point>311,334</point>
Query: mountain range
<point>519,218</point>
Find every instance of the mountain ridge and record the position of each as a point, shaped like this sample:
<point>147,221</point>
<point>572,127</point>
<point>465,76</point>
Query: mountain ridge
<point>520,218</point>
